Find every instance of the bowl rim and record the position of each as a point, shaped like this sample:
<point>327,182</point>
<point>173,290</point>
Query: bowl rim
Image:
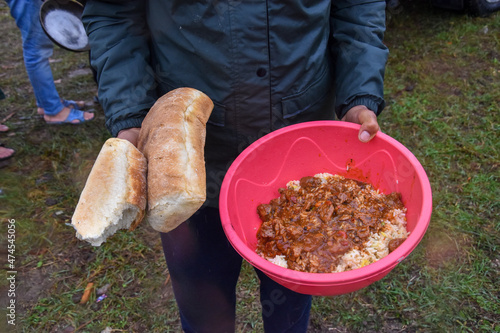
<point>364,273</point>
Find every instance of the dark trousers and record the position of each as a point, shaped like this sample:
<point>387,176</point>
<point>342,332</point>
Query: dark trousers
<point>204,270</point>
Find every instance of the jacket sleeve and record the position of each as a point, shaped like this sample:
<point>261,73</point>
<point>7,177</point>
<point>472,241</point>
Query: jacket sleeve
<point>120,55</point>
<point>359,55</point>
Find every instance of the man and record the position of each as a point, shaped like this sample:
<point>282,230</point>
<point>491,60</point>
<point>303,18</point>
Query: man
<point>266,65</point>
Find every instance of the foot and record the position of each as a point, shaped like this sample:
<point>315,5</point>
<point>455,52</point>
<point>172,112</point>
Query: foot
<point>69,115</point>
<point>6,153</point>
<point>66,103</point>
<point>3,128</point>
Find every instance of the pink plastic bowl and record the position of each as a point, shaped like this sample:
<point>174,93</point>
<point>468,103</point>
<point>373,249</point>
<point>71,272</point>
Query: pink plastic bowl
<point>307,149</point>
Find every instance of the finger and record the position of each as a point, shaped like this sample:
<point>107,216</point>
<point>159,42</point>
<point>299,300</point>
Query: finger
<point>130,134</point>
<point>369,125</point>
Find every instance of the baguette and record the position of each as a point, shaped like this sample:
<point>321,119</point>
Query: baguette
<point>114,196</point>
<point>172,138</point>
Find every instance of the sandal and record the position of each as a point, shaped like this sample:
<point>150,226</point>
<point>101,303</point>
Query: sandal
<point>79,105</point>
<point>74,114</point>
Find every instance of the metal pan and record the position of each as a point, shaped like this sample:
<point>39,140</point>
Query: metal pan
<point>62,22</point>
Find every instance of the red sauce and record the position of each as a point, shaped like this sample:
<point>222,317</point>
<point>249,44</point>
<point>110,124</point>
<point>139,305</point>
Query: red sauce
<point>321,221</point>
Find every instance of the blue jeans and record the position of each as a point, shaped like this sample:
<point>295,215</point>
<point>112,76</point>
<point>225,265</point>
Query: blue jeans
<point>37,48</point>
<point>204,270</point>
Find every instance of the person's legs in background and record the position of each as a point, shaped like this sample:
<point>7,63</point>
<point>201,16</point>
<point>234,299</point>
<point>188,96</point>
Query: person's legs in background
<point>5,153</point>
<point>37,48</point>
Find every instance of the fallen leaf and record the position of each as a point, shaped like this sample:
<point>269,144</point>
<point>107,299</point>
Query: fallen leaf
<point>86,293</point>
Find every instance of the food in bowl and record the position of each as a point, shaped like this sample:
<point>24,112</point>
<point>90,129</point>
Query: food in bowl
<point>307,149</point>
<point>329,223</point>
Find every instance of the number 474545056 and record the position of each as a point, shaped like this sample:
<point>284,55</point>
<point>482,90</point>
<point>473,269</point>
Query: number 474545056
<point>11,243</point>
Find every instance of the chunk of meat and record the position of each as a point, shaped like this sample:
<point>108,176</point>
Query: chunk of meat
<point>395,243</point>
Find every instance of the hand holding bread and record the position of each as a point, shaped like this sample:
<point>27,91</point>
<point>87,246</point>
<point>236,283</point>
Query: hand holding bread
<point>171,154</point>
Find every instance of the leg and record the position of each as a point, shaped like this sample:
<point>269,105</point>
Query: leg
<point>204,270</point>
<point>283,310</point>
<point>37,48</point>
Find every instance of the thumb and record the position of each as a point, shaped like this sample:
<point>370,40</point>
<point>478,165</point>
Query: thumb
<point>369,125</point>
<point>368,121</point>
<point>365,136</point>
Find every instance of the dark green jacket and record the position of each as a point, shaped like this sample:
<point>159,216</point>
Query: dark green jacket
<point>265,64</point>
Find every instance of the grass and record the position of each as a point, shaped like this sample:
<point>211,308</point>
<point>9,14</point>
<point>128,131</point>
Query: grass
<point>443,103</point>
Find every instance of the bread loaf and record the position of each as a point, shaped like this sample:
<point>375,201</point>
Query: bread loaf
<point>114,196</point>
<point>172,138</point>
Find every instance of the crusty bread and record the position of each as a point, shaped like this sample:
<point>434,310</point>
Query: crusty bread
<point>172,138</point>
<point>114,196</point>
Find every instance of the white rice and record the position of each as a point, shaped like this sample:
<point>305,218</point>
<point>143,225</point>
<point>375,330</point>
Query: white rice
<point>279,260</point>
<point>377,246</point>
